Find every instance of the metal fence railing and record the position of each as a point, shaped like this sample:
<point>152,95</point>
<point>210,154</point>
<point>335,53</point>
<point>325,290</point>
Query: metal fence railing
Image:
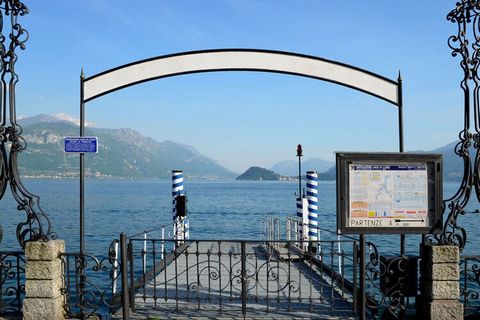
<point>470,284</point>
<point>97,285</point>
<point>12,282</point>
<point>88,284</point>
<point>257,278</point>
<point>247,277</point>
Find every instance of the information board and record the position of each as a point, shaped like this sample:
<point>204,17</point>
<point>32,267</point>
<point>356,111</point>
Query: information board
<point>388,192</point>
<point>80,144</point>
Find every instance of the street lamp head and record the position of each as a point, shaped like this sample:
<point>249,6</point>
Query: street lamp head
<point>299,151</point>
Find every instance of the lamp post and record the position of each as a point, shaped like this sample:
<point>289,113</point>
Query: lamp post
<point>299,155</point>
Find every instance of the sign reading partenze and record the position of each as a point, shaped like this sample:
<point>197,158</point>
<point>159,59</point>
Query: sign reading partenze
<point>80,144</point>
<point>389,192</point>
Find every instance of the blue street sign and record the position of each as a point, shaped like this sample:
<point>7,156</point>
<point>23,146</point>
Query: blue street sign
<point>80,144</point>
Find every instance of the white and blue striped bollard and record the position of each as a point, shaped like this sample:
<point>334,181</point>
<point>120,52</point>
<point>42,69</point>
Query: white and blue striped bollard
<point>300,219</point>
<point>303,223</point>
<point>177,190</point>
<point>312,197</point>
<point>186,228</point>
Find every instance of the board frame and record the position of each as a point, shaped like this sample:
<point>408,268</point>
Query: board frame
<point>434,163</point>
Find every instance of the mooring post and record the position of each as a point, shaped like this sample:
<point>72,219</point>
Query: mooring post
<point>163,242</point>
<point>300,222</point>
<point>115,267</point>
<point>312,198</point>
<point>178,218</point>
<point>144,253</point>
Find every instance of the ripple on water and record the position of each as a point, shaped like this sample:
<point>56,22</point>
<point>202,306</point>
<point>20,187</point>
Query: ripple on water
<point>217,209</point>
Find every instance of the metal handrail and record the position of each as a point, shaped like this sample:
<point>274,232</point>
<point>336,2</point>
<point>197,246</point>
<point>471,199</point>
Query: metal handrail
<point>146,231</point>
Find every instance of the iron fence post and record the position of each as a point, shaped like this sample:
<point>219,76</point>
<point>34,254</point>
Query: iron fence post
<point>244,280</point>
<point>144,252</point>
<point>362,307</point>
<point>123,249</point>
<point>132,276</point>
<point>287,227</point>
<point>82,166</point>
<point>465,291</point>
<point>1,282</point>
<point>355,276</point>
<point>81,294</point>
<point>400,141</point>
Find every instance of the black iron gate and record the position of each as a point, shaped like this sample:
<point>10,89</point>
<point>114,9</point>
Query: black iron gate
<point>241,277</point>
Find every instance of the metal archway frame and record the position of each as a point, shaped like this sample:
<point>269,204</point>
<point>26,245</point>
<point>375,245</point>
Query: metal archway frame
<point>233,60</point>
<point>241,60</point>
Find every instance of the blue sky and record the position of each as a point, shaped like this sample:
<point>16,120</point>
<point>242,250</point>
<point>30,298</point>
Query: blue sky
<point>238,118</point>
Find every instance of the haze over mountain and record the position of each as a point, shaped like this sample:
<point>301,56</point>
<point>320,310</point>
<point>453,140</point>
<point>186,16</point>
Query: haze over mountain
<point>126,153</point>
<point>46,118</point>
<point>121,153</point>
<point>290,167</point>
<point>452,165</point>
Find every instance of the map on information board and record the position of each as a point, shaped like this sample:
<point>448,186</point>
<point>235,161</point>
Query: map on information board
<point>388,196</point>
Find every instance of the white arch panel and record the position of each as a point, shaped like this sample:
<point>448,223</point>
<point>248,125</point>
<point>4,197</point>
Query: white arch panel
<point>231,60</point>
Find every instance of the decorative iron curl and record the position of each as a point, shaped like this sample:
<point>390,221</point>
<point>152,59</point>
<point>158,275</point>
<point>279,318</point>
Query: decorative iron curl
<point>37,226</point>
<point>12,270</point>
<point>470,281</point>
<point>94,295</point>
<point>390,298</point>
<point>466,16</point>
<point>273,274</point>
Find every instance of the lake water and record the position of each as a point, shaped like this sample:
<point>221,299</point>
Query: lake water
<point>217,210</point>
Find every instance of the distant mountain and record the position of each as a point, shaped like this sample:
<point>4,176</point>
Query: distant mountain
<point>290,167</point>
<point>452,164</point>
<point>122,153</point>
<point>126,153</point>
<point>329,175</point>
<point>257,173</point>
<point>45,118</point>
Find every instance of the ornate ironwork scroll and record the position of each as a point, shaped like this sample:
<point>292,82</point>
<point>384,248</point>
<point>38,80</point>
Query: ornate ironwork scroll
<point>87,299</point>
<point>37,225</point>
<point>12,286</point>
<point>230,277</point>
<point>466,16</point>
<point>386,284</point>
<point>470,283</point>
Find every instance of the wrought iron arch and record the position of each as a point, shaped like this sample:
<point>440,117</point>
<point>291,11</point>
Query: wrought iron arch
<point>465,44</point>
<point>37,225</point>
